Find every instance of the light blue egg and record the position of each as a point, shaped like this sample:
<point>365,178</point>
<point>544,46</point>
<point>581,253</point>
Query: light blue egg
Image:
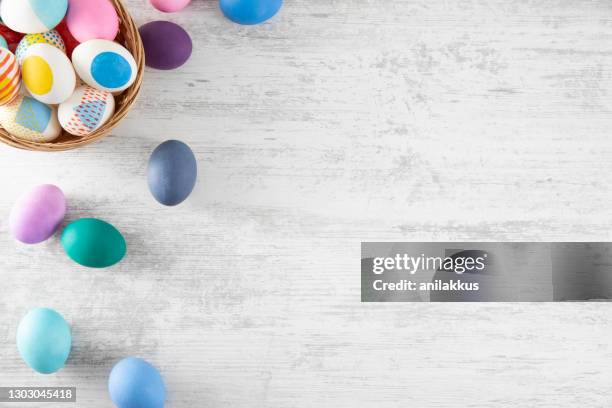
<point>134,383</point>
<point>44,340</point>
<point>250,11</point>
<point>3,43</point>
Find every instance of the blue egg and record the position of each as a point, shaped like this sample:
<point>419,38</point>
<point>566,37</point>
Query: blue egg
<point>134,383</point>
<point>250,11</point>
<point>172,172</point>
<point>44,340</point>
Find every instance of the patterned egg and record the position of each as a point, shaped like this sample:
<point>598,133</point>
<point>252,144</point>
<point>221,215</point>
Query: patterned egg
<point>50,37</point>
<point>48,74</point>
<point>10,78</point>
<point>32,16</point>
<point>104,65</point>
<point>28,119</point>
<point>86,110</point>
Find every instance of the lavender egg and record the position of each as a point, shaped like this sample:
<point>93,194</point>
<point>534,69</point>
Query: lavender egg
<point>37,214</point>
<point>167,45</point>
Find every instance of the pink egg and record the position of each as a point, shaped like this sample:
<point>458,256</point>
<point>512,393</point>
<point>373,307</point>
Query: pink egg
<point>169,6</point>
<point>37,214</point>
<point>92,19</point>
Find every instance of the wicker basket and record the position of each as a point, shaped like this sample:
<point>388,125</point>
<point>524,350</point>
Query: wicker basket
<point>128,37</point>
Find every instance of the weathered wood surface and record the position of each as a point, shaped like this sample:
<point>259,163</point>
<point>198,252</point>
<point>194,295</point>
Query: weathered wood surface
<point>337,122</point>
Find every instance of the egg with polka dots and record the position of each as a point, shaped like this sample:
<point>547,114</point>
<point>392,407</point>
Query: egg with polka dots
<point>47,73</point>
<point>104,65</point>
<point>86,110</point>
<point>50,37</point>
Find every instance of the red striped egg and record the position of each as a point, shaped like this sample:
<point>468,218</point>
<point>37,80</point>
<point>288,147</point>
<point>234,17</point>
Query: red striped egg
<point>10,76</point>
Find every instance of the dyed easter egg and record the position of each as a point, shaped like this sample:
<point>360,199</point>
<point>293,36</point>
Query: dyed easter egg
<point>91,19</point>
<point>250,11</point>
<point>172,172</point>
<point>3,43</point>
<point>133,382</point>
<point>28,119</point>
<point>44,340</point>
<point>32,16</point>
<point>170,6</point>
<point>104,65</point>
<point>37,214</point>
<point>93,243</point>
<point>10,76</point>
<point>47,73</point>
<point>86,110</point>
<point>50,37</point>
<point>166,45</point>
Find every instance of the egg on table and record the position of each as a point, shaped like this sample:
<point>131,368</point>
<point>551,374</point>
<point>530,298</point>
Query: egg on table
<point>37,214</point>
<point>93,243</point>
<point>10,76</point>
<point>170,6</point>
<point>44,340</point>
<point>48,74</point>
<point>91,19</point>
<point>104,65</point>
<point>250,11</point>
<point>86,110</point>
<point>172,172</point>
<point>166,45</point>
<point>50,37</point>
<point>133,382</point>
<point>32,16</point>
<point>28,119</point>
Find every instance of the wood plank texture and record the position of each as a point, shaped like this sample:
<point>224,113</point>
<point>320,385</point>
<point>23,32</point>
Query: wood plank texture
<point>337,122</point>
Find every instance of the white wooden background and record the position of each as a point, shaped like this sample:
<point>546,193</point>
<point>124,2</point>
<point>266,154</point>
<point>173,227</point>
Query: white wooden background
<point>337,122</point>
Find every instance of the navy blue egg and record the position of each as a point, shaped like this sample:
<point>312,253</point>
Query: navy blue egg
<point>172,172</point>
<point>134,383</point>
<point>250,11</point>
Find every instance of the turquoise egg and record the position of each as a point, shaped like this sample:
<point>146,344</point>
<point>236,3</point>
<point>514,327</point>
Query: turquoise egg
<point>93,243</point>
<point>44,340</point>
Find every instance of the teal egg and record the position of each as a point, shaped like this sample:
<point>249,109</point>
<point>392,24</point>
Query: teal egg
<point>44,340</point>
<point>93,243</point>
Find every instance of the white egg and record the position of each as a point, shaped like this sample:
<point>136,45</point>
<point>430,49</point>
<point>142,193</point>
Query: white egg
<point>104,65</point>
<point>28,119</point>
<point>32,16</point>
<point>86,110</point>
<point>48,74</point>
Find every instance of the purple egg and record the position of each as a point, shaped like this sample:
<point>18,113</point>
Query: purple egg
<point>37,214</point>
<point>166,45</point>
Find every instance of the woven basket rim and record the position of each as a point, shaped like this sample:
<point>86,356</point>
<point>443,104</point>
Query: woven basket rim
<point>129,37</point>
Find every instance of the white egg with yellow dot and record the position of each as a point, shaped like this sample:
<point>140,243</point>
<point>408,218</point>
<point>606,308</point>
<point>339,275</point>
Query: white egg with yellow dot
<point>28,119</point>
<point>48,74</point>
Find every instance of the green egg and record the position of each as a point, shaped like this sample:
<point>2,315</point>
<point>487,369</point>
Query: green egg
<point>93,243</point>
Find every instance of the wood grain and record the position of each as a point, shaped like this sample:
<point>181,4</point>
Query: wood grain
<point>337,122</point>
